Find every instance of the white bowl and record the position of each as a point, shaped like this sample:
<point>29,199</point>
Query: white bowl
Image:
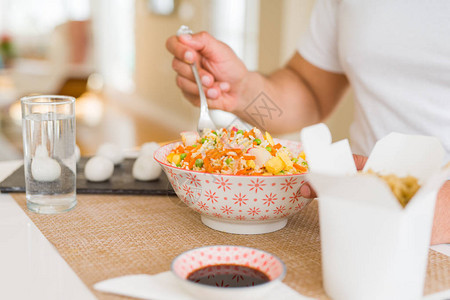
<point>192,260</point>
<point>239,204</point>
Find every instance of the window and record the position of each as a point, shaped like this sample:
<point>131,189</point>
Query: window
<point>235,22</point>
<point>113,26</point>
<point>31,23</point>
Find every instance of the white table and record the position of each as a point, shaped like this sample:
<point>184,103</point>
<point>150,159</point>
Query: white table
<point>31,268</point>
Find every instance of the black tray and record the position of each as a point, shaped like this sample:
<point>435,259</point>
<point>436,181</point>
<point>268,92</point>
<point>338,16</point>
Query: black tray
<point>121,182</point>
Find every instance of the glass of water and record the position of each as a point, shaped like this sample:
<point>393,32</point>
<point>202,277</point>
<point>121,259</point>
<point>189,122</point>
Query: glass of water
<point>48,129</point>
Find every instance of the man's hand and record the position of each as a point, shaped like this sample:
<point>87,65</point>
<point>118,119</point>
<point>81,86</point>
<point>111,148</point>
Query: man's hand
<point>441,222</point>
<point>304,93</point>
<point>222,73</point>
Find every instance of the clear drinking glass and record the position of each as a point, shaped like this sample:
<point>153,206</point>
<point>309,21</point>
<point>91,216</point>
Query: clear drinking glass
<point>48,129</point>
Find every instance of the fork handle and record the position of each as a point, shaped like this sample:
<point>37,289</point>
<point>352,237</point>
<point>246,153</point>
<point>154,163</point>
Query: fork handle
<point>203,103</point>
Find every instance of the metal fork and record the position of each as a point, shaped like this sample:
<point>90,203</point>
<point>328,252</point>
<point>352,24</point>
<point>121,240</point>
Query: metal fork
<point>204,121</point>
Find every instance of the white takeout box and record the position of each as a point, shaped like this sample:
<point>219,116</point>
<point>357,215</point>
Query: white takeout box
<point>372,248</point>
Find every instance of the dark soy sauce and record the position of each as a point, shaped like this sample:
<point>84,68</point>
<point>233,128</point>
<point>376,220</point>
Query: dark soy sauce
<point>227,275</point>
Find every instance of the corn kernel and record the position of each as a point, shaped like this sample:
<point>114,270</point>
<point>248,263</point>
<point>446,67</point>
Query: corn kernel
<point>251,164</point>
<point>269,138</point>
<point>286,160</point>
<point>170,156</point>
<point>176,159</point>
<point>302,155</point>
<point>274,165</point>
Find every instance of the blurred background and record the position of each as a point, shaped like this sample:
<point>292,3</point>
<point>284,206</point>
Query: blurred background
<point>111,56</point>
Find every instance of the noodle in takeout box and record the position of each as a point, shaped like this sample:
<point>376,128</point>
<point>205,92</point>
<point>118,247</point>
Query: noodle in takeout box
<point>372,247</point>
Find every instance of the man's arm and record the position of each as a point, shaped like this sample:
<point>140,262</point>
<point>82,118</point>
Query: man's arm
<point>304,93</point>
<point>441,222</point>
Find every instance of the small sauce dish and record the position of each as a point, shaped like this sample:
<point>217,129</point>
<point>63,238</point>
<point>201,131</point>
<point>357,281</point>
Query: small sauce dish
<point>225,271</point>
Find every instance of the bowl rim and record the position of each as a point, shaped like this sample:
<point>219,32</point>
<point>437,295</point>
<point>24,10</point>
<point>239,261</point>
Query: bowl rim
<point>219,174</point>
<point>271,281</point>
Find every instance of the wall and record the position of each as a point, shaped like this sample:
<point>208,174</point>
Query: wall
<point>154,77</point>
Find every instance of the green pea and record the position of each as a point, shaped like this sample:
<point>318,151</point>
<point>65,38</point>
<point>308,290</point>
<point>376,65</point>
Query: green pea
<point>178,165</point>
<point>239,131</point>
<point>228,161</point>
<point>305,163</point>
<point>195,145</point>
<point>203,140</point>
<point>199,162</point>
<point>295,159</point>
<point>268,148</point>
<point>257,141</point>
<point>183,156</point>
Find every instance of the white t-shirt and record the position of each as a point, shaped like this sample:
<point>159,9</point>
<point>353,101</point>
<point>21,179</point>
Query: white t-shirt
<point>396,55</point>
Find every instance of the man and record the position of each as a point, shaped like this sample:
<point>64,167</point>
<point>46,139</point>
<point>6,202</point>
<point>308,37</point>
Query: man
<point>395,55</point>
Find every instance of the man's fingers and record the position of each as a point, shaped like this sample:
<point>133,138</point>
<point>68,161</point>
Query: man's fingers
<point>213,93</point>
<point>195,100</point>
<point>203,42</point>
<point>190,87</point>
<point>307,192</point>
<point>180,51</point>
<point>224,86</point>
<point>185,47</point>
<point>183,69</point>
<point>360,161</point>
<point>186,85</point>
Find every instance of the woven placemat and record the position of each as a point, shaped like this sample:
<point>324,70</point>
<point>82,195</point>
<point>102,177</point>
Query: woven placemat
<point>110,236</point>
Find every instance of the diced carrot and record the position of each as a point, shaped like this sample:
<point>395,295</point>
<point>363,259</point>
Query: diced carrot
<point>249,133</point>
<point>237,150</point>
<point>206,164</point>
<point>179,149</point>
<point>215,154</point>
<point>300,168</point>
<point>241,172</point>
<point>249,157</point>
<point>192,161</point>
<point>188,156</point>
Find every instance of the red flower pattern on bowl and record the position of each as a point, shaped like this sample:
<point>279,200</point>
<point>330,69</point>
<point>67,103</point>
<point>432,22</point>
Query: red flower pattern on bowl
<point>228,256</point>
<point>236,203</point>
